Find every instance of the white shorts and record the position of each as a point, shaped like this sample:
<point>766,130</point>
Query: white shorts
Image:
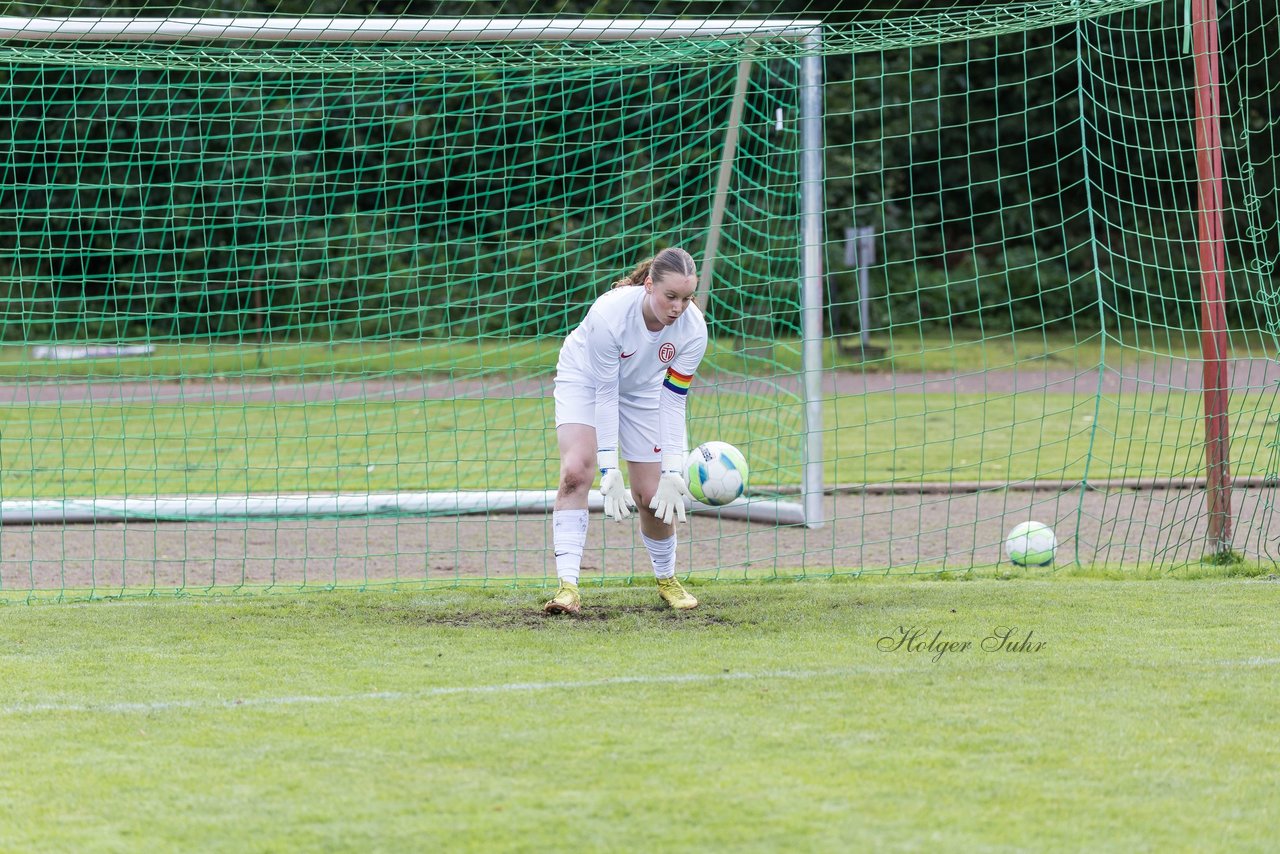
<point>637,417</point>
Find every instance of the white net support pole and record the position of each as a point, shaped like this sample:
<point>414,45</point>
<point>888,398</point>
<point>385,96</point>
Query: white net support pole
<point>723,176</point>
<point>210,507</point>
<point>812,216</point>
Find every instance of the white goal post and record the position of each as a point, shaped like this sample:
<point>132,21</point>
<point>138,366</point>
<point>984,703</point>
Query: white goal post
<point>381,30</point>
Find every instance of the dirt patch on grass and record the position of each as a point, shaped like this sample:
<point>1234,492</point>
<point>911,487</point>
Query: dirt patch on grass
<point>531,616</point>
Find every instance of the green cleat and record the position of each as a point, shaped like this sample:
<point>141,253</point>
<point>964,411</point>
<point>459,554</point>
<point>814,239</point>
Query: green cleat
<point>675,595</point>
<point>566,600</point>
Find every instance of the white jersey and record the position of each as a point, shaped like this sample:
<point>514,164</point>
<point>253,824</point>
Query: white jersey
<point>614,351</point>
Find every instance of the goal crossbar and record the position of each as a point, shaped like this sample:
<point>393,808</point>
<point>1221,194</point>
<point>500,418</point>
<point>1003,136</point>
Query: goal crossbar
<point>382,29</point>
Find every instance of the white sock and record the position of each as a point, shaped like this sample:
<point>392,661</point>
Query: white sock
<point>663,555</point>
<point>569,536</point>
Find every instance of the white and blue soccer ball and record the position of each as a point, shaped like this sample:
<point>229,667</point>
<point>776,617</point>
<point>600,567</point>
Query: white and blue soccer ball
<point>717,473</point>
<point>1031,544</point>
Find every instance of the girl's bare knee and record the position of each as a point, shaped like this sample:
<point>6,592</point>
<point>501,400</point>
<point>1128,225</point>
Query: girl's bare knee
<point>576,478</point>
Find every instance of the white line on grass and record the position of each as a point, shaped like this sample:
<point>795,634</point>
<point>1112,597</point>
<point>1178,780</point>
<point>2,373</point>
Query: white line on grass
<point>1251,662</point>
<point>442,691</point>
<point>501,688</point>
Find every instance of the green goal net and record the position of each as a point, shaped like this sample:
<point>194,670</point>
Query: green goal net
<point>283,315</point>
<point>284,312</point>
<point>1040,290</point>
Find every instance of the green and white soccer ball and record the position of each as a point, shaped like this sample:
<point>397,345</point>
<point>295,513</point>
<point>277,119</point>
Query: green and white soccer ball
<point>717,473</point>
<point>1031,544</point>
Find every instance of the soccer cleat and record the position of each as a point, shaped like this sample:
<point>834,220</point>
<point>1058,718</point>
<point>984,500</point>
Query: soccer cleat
<point>675,595</point>
<point>566,600</point>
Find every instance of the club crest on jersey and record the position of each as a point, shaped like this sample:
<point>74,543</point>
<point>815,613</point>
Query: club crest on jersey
<point>666,352</point>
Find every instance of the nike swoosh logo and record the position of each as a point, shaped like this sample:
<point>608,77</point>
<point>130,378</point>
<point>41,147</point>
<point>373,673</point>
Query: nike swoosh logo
<point>656,449</point>
<point>628,355</point>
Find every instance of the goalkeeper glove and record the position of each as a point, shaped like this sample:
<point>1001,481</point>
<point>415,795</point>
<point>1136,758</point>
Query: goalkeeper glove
<point>617,498</point>
<point>672,490</point>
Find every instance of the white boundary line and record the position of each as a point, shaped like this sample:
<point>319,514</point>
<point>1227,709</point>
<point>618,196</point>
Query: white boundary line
<point>147,707</point>
<point>427,693</point>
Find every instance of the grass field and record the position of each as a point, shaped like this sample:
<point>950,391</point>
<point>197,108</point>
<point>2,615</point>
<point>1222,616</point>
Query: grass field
<point>907,348</point>
<point>1133,715</point>
<point>258,433</point>
<point>1119,710</point>
<point>200,447</point>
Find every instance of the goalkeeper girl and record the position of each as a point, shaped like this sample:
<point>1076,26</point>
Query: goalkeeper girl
<point>620,390</point>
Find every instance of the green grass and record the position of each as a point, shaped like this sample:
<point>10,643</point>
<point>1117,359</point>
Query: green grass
<point>193,447</point>
<point>189,445</point>
<point>901,349</point>
<point>768,719</point>
<point>457,359</point>
<point>911,349</point>
<point>1050,436</point>
<point>298,359</point>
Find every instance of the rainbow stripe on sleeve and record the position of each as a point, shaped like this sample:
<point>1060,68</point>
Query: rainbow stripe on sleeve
<point>677,382</point>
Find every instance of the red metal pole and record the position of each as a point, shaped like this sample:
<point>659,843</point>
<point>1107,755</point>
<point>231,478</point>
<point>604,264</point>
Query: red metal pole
<point>1213,333</point>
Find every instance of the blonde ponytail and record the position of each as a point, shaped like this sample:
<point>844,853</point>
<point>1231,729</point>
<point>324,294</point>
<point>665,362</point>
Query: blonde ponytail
<point>669,260</point>
<point>636,276</point>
